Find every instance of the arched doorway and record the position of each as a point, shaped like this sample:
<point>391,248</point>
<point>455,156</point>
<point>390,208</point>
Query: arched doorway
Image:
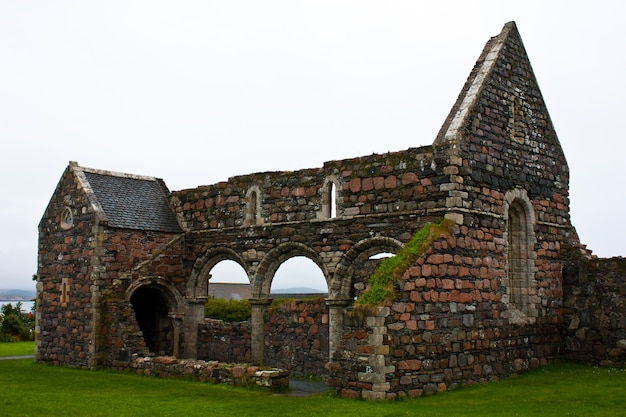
<point>152,309</point>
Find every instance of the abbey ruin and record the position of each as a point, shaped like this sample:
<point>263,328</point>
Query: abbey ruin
<point>124,263</point>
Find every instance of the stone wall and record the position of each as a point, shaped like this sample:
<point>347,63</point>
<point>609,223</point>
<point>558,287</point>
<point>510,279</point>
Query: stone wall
<point>375,184</point>
<point>65,276</point>
<point>240,374</point>
<point>296,336</point>
<point>295,333</point>
<point>594,311</point>
<point>446,326</point>
<point>224,342</point>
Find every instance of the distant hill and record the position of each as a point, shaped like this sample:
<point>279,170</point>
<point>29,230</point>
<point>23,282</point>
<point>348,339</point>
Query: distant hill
<point>297,293</point>
<point>297,290</point>
<point>17,295</point>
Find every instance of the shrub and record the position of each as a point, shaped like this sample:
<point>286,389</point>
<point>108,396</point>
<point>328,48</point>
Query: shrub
<point>16,325</point>
<point>227,310</point>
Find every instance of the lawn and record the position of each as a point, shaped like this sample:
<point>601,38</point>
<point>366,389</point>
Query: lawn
<point>565,389</point>
<point>17,348</point>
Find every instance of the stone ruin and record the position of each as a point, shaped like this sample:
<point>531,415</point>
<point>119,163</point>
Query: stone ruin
<point>124,263</point>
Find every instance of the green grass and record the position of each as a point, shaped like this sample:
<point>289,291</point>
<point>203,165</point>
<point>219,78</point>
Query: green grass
<point>29,389</point>
<point>17,348</point>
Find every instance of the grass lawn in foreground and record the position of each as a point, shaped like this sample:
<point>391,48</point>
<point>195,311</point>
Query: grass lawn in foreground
<point>17,348</point>
<point>30,389</point>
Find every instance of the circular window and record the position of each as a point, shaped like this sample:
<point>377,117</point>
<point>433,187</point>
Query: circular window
<point>66,218</point>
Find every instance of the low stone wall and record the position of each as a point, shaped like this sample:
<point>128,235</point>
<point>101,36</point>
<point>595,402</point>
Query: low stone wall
<point>224,342</point>
<point>594,310</point>
<point>207,371</point>
<point>296,336</point>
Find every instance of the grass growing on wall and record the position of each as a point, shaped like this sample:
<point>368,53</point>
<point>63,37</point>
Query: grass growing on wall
<point>382,283</point>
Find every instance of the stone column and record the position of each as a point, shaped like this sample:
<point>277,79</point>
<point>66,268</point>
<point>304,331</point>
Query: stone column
<point>335,324</point>
<point>259,309</point>
<point>177,320</point>
<point>194,315</point>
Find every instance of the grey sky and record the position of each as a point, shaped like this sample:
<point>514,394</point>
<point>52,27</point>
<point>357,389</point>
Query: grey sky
<point>197,91</point>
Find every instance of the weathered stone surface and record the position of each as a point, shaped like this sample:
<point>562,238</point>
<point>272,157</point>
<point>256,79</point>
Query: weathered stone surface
<point>484,300</point>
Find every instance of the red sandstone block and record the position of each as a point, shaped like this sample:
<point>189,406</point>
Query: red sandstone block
<point>350,393</point>
<point>355,185</point>
<point>447,284</point>
<point>415,297</point>
<point>391,182</point>
<point>410,365</point>
<point>416,392</point>
<point>435,259</point>
<point>465,297</point>
<point>367,184</point>
<point>409,178</point>
<point>426,270</point>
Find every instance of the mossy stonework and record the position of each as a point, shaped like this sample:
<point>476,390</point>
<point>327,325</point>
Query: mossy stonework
<point>478,222</point>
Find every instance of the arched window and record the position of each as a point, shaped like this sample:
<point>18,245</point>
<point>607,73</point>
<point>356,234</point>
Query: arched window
<point>330,199</point>
<point>253,207</point>
<point>521,285</point>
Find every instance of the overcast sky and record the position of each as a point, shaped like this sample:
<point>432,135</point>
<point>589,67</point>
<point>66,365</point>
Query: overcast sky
<point>197,91</point>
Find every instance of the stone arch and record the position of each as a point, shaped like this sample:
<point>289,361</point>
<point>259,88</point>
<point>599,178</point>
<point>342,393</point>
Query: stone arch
<point>341,284</point>
<point>331,199</point>
<point>254,212</point>
<point>519,235</point>
<point>159,310</point>
<point>262,281</point>
<point>197,286</point>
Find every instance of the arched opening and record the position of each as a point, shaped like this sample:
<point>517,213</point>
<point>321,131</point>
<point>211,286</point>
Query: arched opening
<point>518,256</point>
<point>152,309</point>
<point>298,322</point>
<point>360,262</point>
<point>330,199</point>
<point>521,294</point>
<point>229,281</point>
<point>299,275</point>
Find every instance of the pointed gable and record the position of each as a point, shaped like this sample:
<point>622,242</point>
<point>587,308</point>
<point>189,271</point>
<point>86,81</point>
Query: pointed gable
<point>501,114</point>
<point>129,201</point>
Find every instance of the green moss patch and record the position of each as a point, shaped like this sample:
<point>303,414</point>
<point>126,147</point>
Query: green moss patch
<point>382,284</point>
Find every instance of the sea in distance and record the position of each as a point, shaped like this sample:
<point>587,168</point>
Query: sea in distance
<point>26,305</point>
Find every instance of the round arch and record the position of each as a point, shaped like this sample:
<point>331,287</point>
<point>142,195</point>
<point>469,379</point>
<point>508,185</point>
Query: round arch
<point>341,284</point>
<point>197,286</point>
<point>262,281</point>
<point>158,309</point>
<point>519,235</point>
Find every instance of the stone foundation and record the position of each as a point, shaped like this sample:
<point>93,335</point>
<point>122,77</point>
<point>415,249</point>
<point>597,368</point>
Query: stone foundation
<point>206,371</point>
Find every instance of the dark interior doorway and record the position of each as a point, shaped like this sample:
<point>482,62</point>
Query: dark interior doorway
<point>151,311</point>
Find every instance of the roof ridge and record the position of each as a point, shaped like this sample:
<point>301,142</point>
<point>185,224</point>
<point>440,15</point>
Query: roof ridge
<point>114,173</point>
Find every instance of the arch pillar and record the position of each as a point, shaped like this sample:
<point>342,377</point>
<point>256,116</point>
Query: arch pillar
<point>335,324</point>
<point>259,311</point>
<point>194,315</point>
<point>177,321</point>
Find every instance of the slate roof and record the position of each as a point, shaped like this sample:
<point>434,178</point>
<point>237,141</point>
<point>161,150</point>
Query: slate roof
<point>132,202</point>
